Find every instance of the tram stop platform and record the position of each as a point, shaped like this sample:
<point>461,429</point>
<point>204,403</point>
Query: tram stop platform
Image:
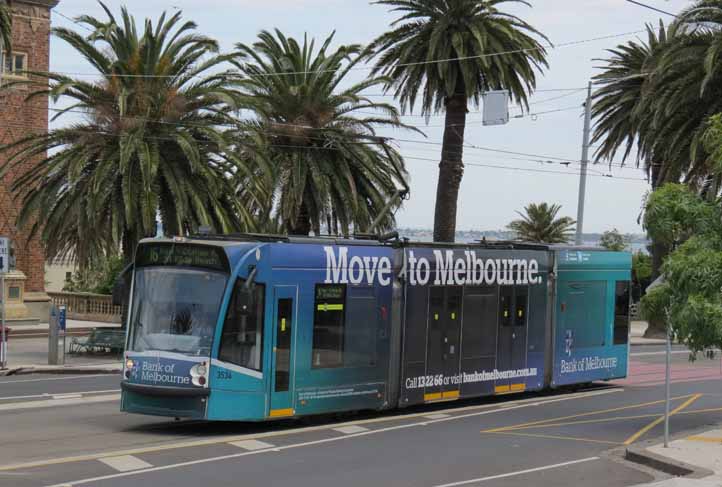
<point>693,460</point>
<point>28,351</point>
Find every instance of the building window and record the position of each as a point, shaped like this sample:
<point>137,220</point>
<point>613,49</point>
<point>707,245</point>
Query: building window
<point>328,326</point>
<point>621,313</point>
<point>14,64</point>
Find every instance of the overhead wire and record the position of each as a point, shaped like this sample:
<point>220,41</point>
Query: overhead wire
<point>526,169</point>
<point>541,158</point>
<point>469,163</point>
<point>371,68</point>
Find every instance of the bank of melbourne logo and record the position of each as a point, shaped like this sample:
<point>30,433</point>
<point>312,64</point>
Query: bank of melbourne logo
<point>568,342</point>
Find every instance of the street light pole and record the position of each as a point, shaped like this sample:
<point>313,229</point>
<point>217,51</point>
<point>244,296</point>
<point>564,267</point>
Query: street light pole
<point>3,337</point>
<point>585,162</point>
<point>667,379</point>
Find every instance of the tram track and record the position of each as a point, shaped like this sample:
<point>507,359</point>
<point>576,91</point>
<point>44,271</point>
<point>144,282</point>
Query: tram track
<point>450,413</point>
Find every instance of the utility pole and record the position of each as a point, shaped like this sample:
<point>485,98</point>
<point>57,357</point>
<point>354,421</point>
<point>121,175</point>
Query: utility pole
<point>585,162</point>
<point>3,333</point>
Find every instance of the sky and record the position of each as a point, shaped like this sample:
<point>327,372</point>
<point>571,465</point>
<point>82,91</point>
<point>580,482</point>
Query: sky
<point>496,184</point>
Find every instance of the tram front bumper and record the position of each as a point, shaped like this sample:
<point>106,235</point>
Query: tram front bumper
<point>178,402</point>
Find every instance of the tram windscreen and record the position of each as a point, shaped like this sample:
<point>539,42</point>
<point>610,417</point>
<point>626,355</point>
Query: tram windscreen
<point>175,309</point>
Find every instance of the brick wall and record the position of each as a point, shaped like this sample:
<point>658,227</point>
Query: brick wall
<point>30,36</point>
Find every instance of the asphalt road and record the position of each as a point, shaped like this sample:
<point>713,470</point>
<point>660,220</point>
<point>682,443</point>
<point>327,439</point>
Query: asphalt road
<point>67,430</point>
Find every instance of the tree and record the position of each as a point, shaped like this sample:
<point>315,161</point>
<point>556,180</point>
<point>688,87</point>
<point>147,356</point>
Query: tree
<point>6,22</point>
<point>327,165</point>
<point>625,116</point>
<point>693,272</point>
<point>658,97</point>
<point>448,52</point>
<point>641,274</point>
<point>539,223</point>
<point>99,278</point>
<point>151,142</point>
<point>613,240</point>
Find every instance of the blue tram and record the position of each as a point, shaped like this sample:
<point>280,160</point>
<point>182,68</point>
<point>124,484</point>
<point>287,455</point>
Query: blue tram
<point>251,328</point>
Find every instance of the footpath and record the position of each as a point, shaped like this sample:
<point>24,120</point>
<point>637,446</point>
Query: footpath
<point>28,351</point>
<point>693,460</point>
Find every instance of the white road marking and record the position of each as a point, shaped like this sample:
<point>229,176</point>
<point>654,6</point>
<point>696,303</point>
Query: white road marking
<point>329,440</point>
<point>67,396</point>
<point>350,430</point>
<point>437,416</point>
<point>649,354</point>
<point>125,463</point>
<point>520,472</point>
<point>46,394</point>
<point>74,377</point>
<point>48,403</point>
<point>251,445</point>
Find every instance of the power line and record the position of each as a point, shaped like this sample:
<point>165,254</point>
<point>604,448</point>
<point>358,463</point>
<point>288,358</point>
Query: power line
<point>652,8</point>
<point>369,68</point>
<point>515,107</point>
<point>474,164</point>
<point>56,11</point>
<point>538,157</point>
<point>526,169</point>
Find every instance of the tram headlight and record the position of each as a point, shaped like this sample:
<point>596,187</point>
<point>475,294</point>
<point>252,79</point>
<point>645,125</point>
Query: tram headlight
<point>129,363</point>
<point>199,374</point>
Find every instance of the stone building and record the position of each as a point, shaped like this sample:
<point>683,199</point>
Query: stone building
<point>18,117</point>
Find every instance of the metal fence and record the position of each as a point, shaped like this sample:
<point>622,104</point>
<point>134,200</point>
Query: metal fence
<point>88,307</point>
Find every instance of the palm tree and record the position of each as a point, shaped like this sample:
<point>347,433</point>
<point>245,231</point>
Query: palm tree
<point>6,21</point>
<point>621,109</point>
<point>328,167</point>
<point>661,95</point>
<point>539,223</point>
<point>447,52</point>
<point>624,111</point>
<point>151,142</point>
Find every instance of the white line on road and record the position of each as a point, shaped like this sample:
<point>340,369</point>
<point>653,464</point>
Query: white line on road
<point>48,403</point>
<point>56,396</point>
<point>437,416</point>
<point>350,430</point>
<point>662,352</point>
<point>318,442</point>
<point>125,463</point>
<point>252,445</point>
<point>520,472</point>
<point>74,377</point>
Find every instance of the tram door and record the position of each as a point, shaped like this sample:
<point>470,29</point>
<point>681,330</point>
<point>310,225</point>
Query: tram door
<point>512,336</point>
<point>442,343</point>
<point>282,375</point>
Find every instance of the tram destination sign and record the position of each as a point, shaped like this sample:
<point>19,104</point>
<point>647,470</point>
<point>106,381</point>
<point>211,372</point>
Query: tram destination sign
<point>179,254</point>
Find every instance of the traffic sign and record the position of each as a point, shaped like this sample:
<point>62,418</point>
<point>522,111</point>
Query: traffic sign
<point>4,255</point>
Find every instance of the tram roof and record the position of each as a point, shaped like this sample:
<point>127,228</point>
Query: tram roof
<point>391,240</point>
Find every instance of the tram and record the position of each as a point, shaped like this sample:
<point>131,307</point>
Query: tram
<point>252,328</point>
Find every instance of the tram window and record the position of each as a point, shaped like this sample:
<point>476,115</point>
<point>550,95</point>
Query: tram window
<point>621,313</point>
<point>328,326</point>
<point>242,338</point>
<point>361,328</point>
<point>584,312</point>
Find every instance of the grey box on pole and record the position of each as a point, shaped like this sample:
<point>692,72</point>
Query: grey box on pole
<point>496,107</point>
